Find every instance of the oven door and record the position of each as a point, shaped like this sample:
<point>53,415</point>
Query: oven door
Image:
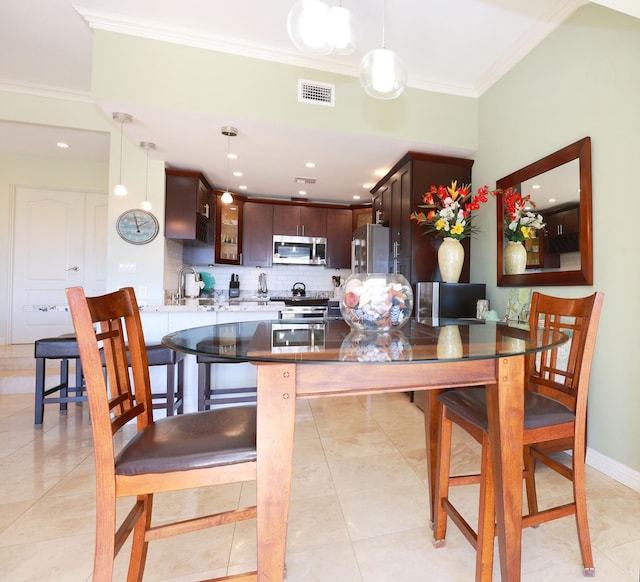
<point>297,337</point>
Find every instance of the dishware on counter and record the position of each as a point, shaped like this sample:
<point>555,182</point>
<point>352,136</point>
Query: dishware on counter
<point>337,281</point>
<point>262,284</point>
<point>209,282</point>
<point>192,285</point>
<point>376,301</point>
<point>299,289</point>
<point>234,286</point>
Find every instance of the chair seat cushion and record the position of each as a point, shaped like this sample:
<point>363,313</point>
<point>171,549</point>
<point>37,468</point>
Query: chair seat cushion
<point>199,440</point>
<point>539,410</point>
<point>60,347</point>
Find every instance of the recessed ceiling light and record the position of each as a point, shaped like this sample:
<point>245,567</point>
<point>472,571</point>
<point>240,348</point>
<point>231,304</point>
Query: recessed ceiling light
<point>232,156</point>
<point>237,174</point>
<point>302,192</point>
<point>310,165</point>
<point>552,199</point>
<point>381,172</point>
<point>367,186</point>
<point>241,187</point>
<point>356,197</point>
<point>536,187</point>
<point>62,145</point>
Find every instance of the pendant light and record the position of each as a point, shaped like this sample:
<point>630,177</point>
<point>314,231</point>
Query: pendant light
<point>317,29</point>
<point>146,145</point>
<point>120,189</point>
<point>230,132</point>
<point>382,73</point>
<point>341,30</point>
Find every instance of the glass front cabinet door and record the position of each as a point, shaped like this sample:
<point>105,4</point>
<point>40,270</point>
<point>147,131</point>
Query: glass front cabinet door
<point>229,231</point>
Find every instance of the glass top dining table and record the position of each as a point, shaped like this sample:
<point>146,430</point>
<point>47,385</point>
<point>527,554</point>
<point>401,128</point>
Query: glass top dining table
<point>317,358</point>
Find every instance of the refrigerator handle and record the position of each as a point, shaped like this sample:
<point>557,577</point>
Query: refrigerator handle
<point>354,257</point>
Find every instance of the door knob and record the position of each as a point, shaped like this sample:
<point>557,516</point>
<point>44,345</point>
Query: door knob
<point>76,268</point>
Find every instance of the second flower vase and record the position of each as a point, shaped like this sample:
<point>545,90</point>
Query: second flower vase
<point>450,259</point>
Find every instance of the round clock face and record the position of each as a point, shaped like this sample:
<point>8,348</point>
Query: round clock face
<point>137,227</point>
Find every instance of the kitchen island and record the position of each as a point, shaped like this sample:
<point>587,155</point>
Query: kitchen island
<point>159,320</point>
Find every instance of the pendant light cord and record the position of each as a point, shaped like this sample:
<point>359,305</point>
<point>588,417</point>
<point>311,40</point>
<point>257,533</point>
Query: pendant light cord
<point>228,153</point>
<point>383,19</point>
<point>121,132</point>
<point>146,178</point>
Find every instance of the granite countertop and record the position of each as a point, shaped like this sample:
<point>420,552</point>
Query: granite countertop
<point>195,305</point>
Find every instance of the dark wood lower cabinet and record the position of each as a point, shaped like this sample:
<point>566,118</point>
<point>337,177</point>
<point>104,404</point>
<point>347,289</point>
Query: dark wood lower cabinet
<point>339,222</point>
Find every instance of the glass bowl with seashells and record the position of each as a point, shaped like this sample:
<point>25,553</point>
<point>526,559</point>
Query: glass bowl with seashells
<point>376,301</point>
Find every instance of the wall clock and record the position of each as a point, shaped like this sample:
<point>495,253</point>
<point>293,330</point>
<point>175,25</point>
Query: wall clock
<point>137,227</point>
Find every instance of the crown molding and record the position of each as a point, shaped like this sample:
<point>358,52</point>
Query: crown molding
<point>12,86</point>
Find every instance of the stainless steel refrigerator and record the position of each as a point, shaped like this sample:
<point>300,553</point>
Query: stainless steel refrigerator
<point>370,249</point>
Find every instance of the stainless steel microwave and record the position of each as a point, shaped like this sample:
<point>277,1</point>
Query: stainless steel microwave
<point>299,250</point>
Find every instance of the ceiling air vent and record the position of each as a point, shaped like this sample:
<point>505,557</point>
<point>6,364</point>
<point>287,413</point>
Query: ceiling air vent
<point>303,180</point>
<point>318,93</point>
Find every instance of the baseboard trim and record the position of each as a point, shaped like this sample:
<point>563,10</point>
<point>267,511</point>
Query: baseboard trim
<point>613,469</point>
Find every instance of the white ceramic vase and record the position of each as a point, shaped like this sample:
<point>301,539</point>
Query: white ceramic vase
<point>515,258</point>
<point>450,259</point>
<point>449,343</point>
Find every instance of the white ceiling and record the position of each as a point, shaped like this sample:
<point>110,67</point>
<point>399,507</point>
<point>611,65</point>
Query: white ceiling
<point>459,47</point>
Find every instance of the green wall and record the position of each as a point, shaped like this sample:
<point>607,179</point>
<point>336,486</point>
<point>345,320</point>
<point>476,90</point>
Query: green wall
<point>584,79</point>
<point>168,76</point>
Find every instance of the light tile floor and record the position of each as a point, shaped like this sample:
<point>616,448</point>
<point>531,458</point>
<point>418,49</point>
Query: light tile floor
<point>358,506</point>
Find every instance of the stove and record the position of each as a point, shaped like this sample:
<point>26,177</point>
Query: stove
<point>302,307</point>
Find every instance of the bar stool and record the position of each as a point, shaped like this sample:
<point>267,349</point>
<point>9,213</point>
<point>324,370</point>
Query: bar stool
<point>211,397</point>
<point>172,399</point>
<point>63,348</point>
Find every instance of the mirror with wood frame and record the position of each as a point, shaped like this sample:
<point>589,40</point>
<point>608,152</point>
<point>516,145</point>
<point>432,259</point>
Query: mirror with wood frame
<point>560,187</point>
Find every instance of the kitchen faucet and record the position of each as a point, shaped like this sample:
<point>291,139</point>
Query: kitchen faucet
<point>181,273</point>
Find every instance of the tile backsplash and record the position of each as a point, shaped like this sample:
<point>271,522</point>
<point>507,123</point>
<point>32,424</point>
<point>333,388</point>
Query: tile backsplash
<point>280,278</point>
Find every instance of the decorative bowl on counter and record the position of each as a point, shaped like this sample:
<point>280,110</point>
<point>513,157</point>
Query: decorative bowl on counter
<point>362,346</point>
<point>376,301</point>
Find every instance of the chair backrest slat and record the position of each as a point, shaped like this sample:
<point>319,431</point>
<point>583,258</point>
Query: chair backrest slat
<point>563,372</point>
<point>114,400</point>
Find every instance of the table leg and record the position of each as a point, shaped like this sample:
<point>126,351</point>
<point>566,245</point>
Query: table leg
<point>505,403</point>
<point>276,393</point>
<point>431,431</point>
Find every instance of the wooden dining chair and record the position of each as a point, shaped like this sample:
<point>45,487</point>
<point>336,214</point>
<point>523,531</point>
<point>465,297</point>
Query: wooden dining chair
<point>179,452</point>
<point>555,419</point>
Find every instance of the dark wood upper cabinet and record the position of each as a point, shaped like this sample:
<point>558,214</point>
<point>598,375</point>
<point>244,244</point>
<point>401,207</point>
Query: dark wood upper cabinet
<point>413,252</point>
<point>339,223</point>
<point>299,220</point>
<point>189,206</point>
<point>257,249</point>
<point>563,228</point>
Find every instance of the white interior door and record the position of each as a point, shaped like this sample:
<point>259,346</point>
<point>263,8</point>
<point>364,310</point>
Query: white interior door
<point>59,241</point>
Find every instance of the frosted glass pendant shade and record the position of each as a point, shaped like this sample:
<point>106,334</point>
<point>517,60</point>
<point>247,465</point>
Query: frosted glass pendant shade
<point>120,190</point>
<point>318,29</point>
<point>382,74</point>
<point>341,31</point>
<point>307,25</point>
<point>227,198</point>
